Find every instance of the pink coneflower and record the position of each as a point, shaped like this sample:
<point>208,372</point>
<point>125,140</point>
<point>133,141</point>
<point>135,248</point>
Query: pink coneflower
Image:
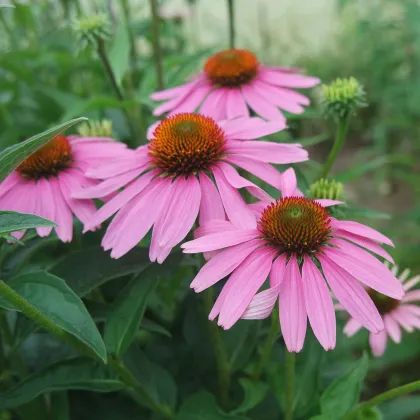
<point>170,181</point>
<point>234,81</point>
<point>44,182</point>
<point>297,244</point>
<point>395,313</point>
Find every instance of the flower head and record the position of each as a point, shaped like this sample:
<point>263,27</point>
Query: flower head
<point>92,128</point>
<point>44,182</point>
<point>90,29</point>
<point>233,82</point>
<point>342,97</point>
<point>325,188</point>
<point>187,170</point>
<point>297,245</point>
<point>396,313</point>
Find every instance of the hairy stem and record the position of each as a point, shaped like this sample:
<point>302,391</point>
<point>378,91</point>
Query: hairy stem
<point>231,13</point>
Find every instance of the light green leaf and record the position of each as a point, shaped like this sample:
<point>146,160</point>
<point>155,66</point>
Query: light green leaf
<point>119,56</point>
<point>128,309</point>
<point>13,156</point>
<point>371,413</point>
<point>51,296</point>
<point>254,393</point>
<point>11,221</point>
<point>80,373</point>
<point>341,396</point>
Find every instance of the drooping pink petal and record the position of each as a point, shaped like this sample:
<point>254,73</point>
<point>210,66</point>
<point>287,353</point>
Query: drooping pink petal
<point>10,182</point>
<point>219,241</point>
<point>288,185</point>
<point>361,230</point>
<point>223,264</point>
<point>262,304</point>
<point>292,307</point>
<point>192,101</point>
<point>250,128</point>
<point>248,278</point>
<point>324,202</point>
<point>278,270</point>
<point>268,151</point>
<point>351,295</point>
<point>261,106</point>
<point>409,317</point>
<point>279,78</point>
<point>365,267</point>
<point>221,298</point>
<point>113,205</point>
<point>215,105</point>
<point>235,104</point>
<point>411,283</point>
<point>173,92</point>
<point>46,205</point>
<point>392,328</point>
<point>414,309</point>
<point>118,166</point>
<point>262,170</point>
<point>378,343</point>
<point>352,327</point>
<point>63,215</point>
<point>291,95</point>
<point>412,296</point>
<point>141,217</point>
<point>214,226</point>
<point>401,318</point>
<point>365,243</point>
<point>236,209</point>
<point>319,305</point>
<point>211,206</point>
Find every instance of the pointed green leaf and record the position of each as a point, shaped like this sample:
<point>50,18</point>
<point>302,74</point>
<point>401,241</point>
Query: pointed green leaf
<point>11,221</point>
<point>13,156</point>
<point>51,296</point>
<point>254,393</point>
<point>80,373</point>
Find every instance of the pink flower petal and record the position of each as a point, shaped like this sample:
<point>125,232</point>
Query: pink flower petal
<point>287,80</point>
<point>288,184</point>
<point>151,130</point>
<point>10,182</point>
<point>235,104</point>
<point>118,166</point>
<point>278,270</point>
<point>215,105</point>
<point>378,343</point>
<point>250,128</point>
<point>223,264</point>
<point>46,205</point>
<point>192,101</point>
<point>365,267</point>
<point>352,327</point>
<point>248,278</point>
<point>63,215</point>
<point>402,319</point>
<point>414,309</point>
<point>236,209</point>
<point>292,95</point>
<point>351,295</point>
<point>319,305</point>
<point>327,203</point>
<point>211,206</point>
<point>412,296</point>
<point>411,283</point>
<point>262,304</point>
<point>392,328</point>
<point>292,307</point>
<point>213,226</point>
<point>361,230</point>
<point>173,92</point>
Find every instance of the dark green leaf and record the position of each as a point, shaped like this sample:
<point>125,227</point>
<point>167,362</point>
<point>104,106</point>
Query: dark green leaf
<point>254,393</point>
<point>86,269</point>
<point>203,406</point>
<point>369,414</point>
<point>80,373</point>
<point>128,309</point>
<point>341,396</point>
<point>60,409</point>
<point>401,408</point>
<point>13,156</point>
<point>51,296</point>
<point>11,221</point>
<point>119,55</point>
<point>149,325</point>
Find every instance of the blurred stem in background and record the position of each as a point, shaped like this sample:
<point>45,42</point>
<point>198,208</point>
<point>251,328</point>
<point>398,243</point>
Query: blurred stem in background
<point>125,5</point>
<point>156,43</point>
<point>223,368</point>
<point>289,385</point>
<point>231,13</point>
<point>342,128</point>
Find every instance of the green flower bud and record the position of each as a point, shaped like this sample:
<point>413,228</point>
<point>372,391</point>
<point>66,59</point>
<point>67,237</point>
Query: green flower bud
<point>325,188</point>
<point>342,97</point>
<point>90,29</point>
<point>101,128</point>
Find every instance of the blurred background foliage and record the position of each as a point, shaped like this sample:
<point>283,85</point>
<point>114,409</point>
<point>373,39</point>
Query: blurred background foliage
<point>46,78</point>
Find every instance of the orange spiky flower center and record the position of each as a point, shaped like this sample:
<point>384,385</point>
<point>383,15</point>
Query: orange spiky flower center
<point>48,160</point>
<point>186,143</point>
<point>231,68</point>
<point>383,303</point>
<point>295,224</point>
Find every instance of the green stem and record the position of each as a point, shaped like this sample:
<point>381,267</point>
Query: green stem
<point>223,368</point>
<point>108,69</point>
<point>126,376</point>
<point>268,345</point>
<point>290,385</point>
<point>30,311</point>
<point>156,43</point>
<point>231,13</point>
<point>385,396</point>
<point>342,128</point>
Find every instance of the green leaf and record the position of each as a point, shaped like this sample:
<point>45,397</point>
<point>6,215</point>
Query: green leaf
<point>341,396</point>
<point>88,268</point>
<point>254,393</point>
<point>149,325</point>
<point>51,296</point>
<point>312,141</point>
<point>128,309</point>
<point>401,408</point>
<point>371,413</point>
<point>354,212</point>
<point>203,406</point>
<point>60,409</point>
<point>11,221</point>
<point>13,156</point>
<point>119,56</point>
<point>80,373</point>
